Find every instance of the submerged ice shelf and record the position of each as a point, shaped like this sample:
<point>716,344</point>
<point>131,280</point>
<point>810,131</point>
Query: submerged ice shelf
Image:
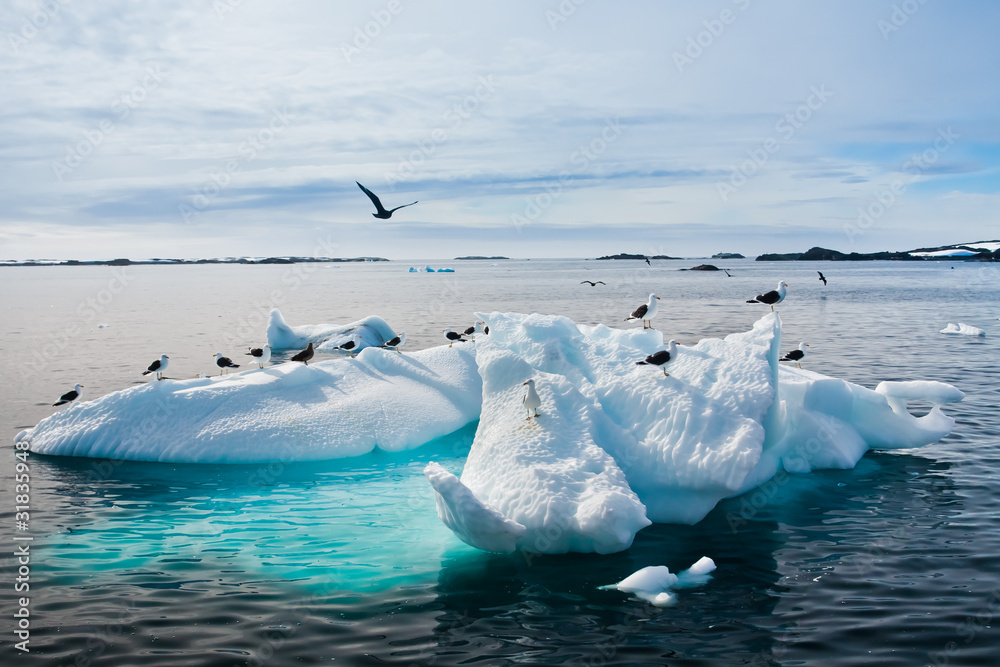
<point>617,446</point>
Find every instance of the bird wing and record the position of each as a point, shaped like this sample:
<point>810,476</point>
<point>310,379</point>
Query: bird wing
<point>68,396</point>
<point>586,282</point>
<point>399,207</point>
<point>600,282</point>
<point>768,297</point>
<point>155,366</point>
<point>375,200</point>
<point>639,312</point>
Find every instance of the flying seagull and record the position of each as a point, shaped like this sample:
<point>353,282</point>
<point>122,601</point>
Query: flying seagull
<point>380,212</point>
<point>158,367</point>
<point>822,277</point>
<point>531,401</point>
<point>661,358</point>
<point>261,355</point>
<point>224,363</point>
<point>592,283</point>
<point>772,298</point>
<point>69,396</point>
<point>647,260</point>
<point>728,275</point>
<point>305,355</point>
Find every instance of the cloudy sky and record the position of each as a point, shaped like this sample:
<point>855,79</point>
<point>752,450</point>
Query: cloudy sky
<point>529,129</point>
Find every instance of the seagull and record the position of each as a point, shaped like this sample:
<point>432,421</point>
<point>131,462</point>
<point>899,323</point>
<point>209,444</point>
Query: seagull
<point>772,298</point>
<point>728,275</point>
<point>661,358</point>
<point>531,401</point>
<point>452,336</point>
<point>224,363</point>
<point>822,277</point>
<point>349,345</point>
<point>477,328</point>
<point>380,211</point>
<point>396,342</point>
<point>646,312</point>
<point>261,355</point>
<point>158,367</point>
<point>592,283</point>
<point>69,396</point>
<point>305,355</point>
<point>796,355</point>
<point>647,260</point>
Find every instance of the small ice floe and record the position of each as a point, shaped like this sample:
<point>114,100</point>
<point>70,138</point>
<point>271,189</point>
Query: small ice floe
<point>414,269</point>
<point>655,583</point>
<point>961,328</point>
<point>102,325</point>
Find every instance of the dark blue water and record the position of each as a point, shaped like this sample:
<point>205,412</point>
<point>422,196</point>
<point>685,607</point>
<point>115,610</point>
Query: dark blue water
<point>344,562</point>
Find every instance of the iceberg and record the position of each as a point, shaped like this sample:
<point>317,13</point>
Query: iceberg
<point>619,445</point>
<point>964,329</point>
<point>288,412</point>
<point>372,331</point>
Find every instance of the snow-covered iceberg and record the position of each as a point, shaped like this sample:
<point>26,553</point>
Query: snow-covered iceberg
<point>615,438</point>
<point>288,412</point>
<point>372,331</point>
<point>962,328</point>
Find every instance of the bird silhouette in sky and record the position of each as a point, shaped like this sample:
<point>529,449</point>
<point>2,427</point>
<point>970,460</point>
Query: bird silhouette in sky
<point>380,211</point>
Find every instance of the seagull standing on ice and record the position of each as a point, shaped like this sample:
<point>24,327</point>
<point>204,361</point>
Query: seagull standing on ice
<point>349,346</point>
<point>261,355</point>
<point>380,211</point>
<point>531,401</point>
<point>158,367</point>
<point>396,342</point>
<point>772,298</point>
<point>646,312</point>
<point>69,396</point>
<point>796,355</point>
<point>305,355</point>
<point>661,358</point>
<point>452,336</point>
<point>224,363</point>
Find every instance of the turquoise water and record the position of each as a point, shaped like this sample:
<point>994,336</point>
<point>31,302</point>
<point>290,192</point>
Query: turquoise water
<point>345,561</point>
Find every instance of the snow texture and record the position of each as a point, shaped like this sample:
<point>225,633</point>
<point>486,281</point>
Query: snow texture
<point>288,412</point>
<point>964,329</point>
<point>614,438</point>
<point>372,331</point>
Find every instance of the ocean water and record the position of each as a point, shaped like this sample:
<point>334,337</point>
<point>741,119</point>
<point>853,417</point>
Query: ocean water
<point>344,562</point>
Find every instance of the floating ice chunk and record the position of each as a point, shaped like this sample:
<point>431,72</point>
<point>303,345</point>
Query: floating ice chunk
<point>654,584</point>
<point>446,270</point>
<point>961,328</point>
<point>288,412</point>
<point>372,332</point>
<point>557,482</point>
<point>102,326</point>
<point>474,523</point>
<point>428,269</point>
<point>726,420</point>
<point>414,269</point>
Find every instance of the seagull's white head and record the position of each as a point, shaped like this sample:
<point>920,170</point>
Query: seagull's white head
<point>77,388</point>
<point>803,346</point>
<point>652,298</point>
<point>218,355</point>
<point>530,383</point>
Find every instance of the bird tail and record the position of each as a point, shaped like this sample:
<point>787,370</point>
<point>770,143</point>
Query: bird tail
<point>59,403</point>
<point>146,372</point>
<point>641,363</point>
<point>752,301</point>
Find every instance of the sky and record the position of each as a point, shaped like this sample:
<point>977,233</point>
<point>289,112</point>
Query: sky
<point>527,129</point>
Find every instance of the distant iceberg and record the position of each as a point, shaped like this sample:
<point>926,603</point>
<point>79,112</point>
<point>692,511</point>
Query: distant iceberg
<point>963,329</point>
<point>372,331</point>
<point>619,445</point>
